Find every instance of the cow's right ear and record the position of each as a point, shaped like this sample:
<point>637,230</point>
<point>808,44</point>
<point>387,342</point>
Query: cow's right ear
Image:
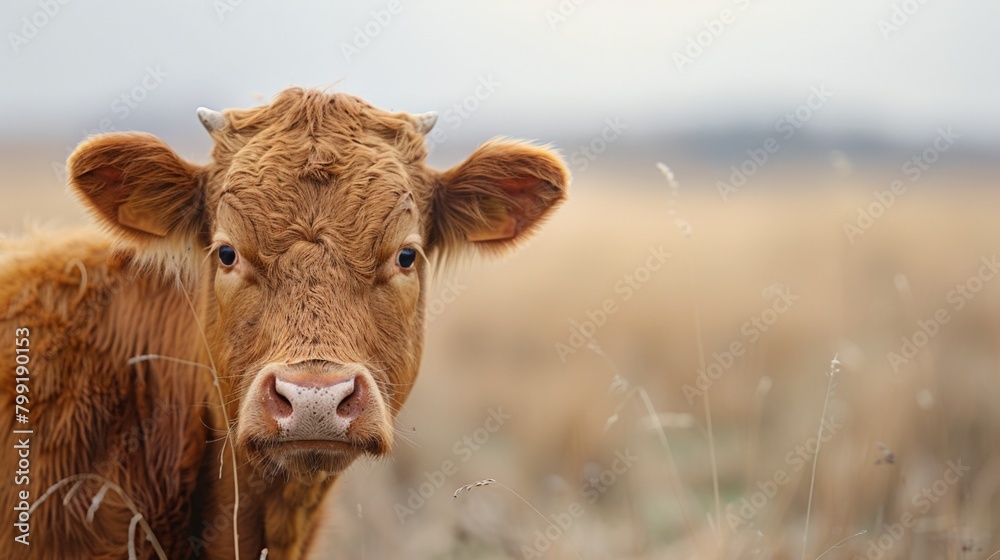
<point>137,186</point>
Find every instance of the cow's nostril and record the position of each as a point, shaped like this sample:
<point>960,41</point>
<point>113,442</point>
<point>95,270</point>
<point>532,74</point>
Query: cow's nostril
<point>353,404</point>
<point>277,404</point>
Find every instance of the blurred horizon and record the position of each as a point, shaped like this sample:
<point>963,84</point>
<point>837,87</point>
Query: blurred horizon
<point>704,80</point>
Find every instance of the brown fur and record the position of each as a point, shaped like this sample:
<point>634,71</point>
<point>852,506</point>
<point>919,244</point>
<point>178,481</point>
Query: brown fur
<point>317,193</point>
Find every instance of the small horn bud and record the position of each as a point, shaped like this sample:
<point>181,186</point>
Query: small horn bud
<point>426,121</point>
<point>213,121</point>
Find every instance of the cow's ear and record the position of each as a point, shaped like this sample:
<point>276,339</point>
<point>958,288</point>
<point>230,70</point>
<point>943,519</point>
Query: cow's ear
<point>137,187</point>
<point>498,196</point>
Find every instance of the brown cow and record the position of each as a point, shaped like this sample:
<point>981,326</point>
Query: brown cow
<point>285,280</point>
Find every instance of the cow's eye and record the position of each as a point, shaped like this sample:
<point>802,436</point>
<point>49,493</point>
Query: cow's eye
<point>406,258</point>
<point>227,255</point>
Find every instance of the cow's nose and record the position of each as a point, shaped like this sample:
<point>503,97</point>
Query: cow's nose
<point>309,404</point>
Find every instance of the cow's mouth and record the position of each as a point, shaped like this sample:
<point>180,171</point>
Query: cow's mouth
<point>315,445</point>
<point>304,457</point>
<point>369,447</point>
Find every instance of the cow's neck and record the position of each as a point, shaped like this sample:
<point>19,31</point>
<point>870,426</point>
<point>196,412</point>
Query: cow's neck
<point>275,513</point>
<point>291,515</point>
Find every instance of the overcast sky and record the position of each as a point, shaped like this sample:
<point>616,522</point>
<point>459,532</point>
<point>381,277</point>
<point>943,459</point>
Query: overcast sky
<point>551,64</point>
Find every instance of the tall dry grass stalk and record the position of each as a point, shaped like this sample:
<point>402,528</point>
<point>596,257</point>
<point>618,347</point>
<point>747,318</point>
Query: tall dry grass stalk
<point>225,414</point>
<point>832,374</point>
<point>717,521</point>
<point>621,384</point>
<point>493,482</point>
<point>106,485</point>
<point>842,542</point>
<point>687,231</point>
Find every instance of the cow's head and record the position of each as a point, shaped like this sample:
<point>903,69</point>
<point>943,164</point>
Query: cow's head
<point>312,231</point>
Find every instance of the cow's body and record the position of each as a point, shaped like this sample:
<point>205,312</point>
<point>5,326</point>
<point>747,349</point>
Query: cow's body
<point>289,269</point>
<point>90,411</point>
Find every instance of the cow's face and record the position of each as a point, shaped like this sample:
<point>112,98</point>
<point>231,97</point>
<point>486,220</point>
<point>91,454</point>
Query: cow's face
<point>316,223</point>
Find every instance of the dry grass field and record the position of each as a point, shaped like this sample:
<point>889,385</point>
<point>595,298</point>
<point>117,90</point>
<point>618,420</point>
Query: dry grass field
<point>615,446</point>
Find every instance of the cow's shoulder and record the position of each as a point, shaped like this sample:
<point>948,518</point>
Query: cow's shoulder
<point>100,403</point>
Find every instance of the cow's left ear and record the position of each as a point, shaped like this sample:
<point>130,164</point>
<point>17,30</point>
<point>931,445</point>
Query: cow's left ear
<point>137,186</point>
<point>498,196</point>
